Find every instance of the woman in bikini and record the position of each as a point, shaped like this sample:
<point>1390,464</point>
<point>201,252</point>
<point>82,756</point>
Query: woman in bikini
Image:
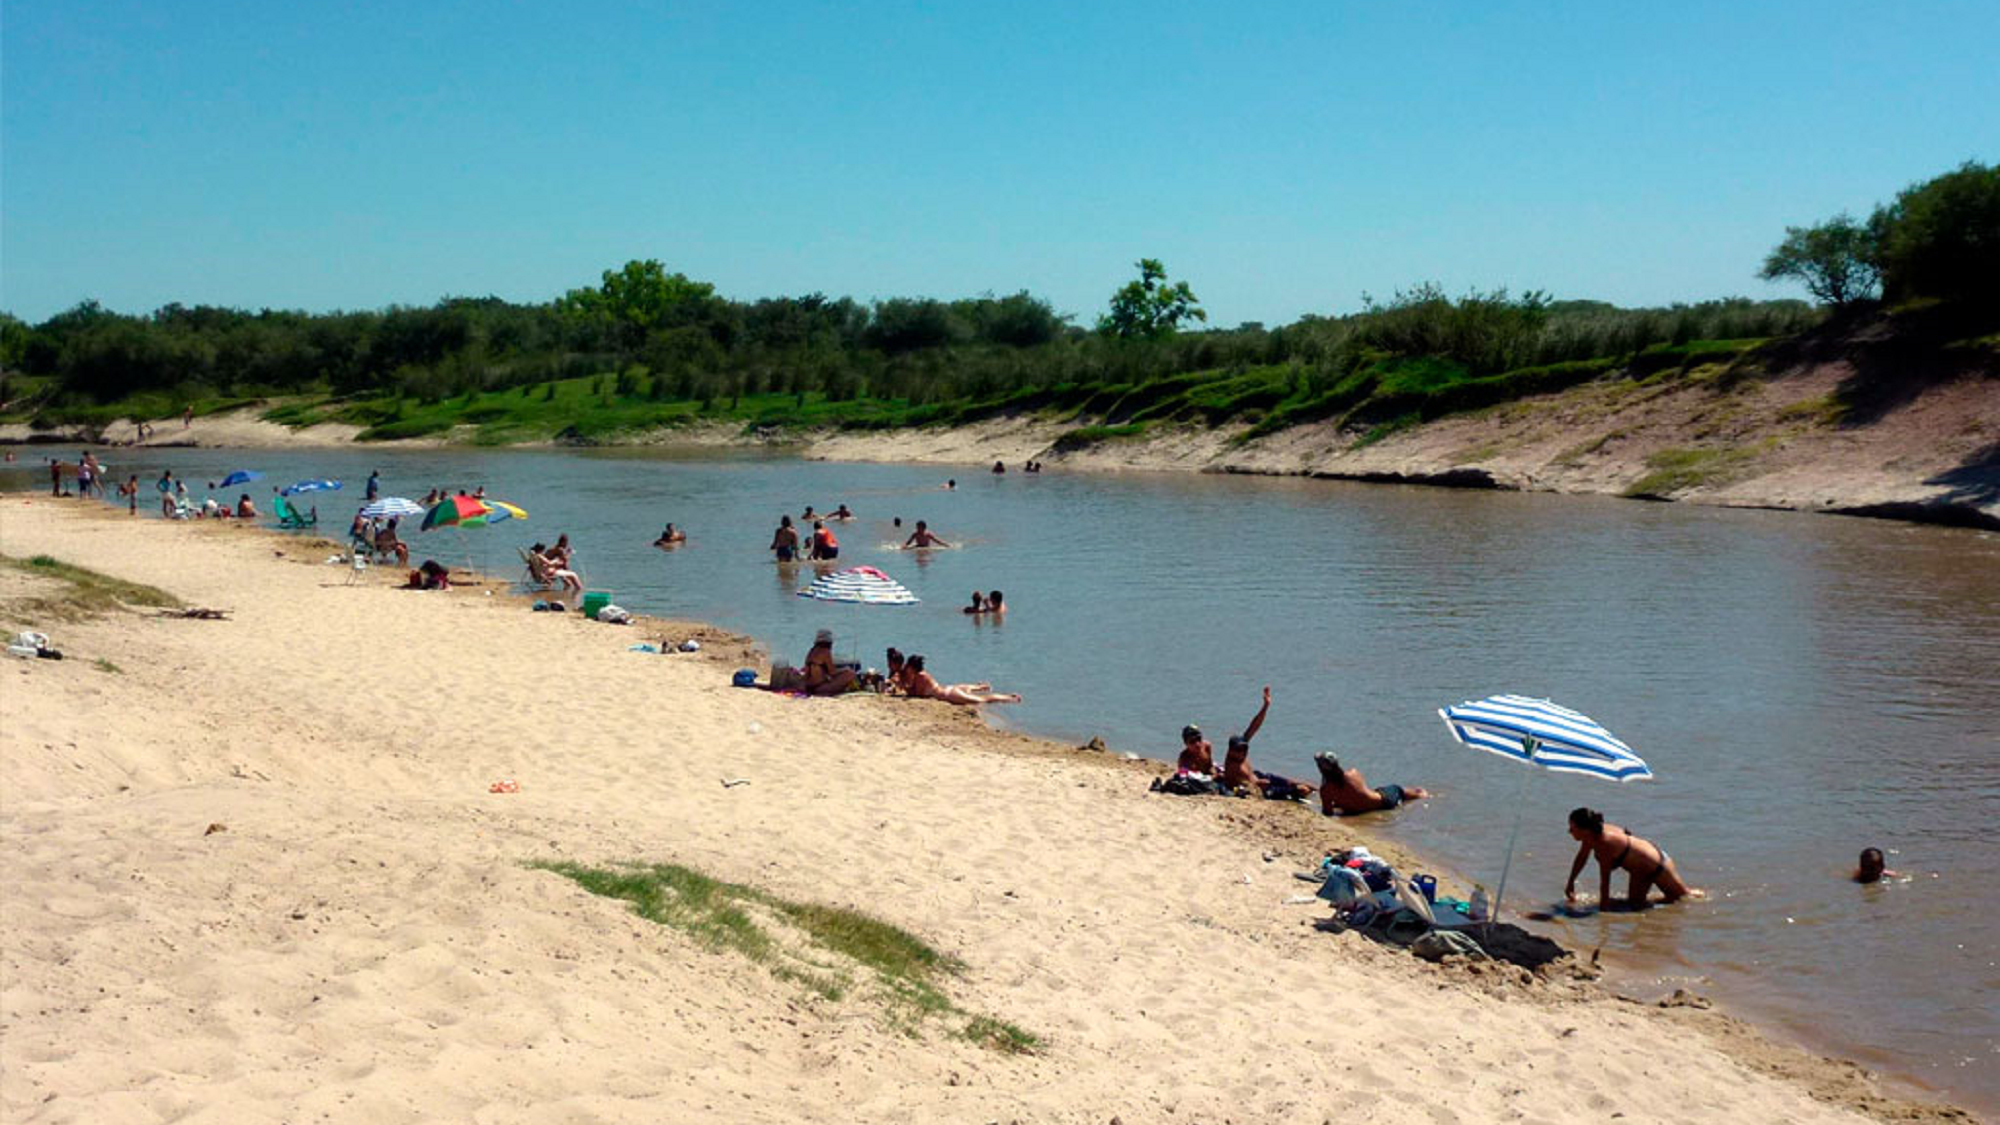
<point>1648,864</point>
<point>922,685</point>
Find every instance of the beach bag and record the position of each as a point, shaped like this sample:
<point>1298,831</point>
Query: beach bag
<point>1188,785</point>
<point>614,615</point>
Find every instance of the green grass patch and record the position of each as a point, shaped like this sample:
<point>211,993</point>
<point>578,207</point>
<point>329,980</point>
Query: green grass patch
<point>86,593</point>
<point>1083,437</point>
<point>104,665</point>
<point>825,949</point>
<point>1677,470</point>
<point>1827,410</point>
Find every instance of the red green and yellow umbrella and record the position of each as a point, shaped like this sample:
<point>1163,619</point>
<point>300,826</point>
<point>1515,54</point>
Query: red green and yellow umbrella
<point>456,511</point>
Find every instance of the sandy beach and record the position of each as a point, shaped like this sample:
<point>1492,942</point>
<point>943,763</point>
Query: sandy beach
<point>255,872</point>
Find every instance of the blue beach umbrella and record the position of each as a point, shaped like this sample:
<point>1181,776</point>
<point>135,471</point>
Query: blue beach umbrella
<point>240,476</point>
<point>1537,732</point>
<point>1541,733</point>
<point>309,486</point>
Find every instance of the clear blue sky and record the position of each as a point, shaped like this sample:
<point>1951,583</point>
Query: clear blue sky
<point>1284,158</point>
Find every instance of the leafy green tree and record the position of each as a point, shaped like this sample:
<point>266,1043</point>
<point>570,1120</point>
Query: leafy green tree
<point>641,298</point>
<point>1834,260</point>
<point>1150,308</point>
<point>1941,238</point>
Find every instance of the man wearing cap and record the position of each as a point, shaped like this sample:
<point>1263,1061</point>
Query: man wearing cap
<point>1197,756</point>
<point>1237,777</point>
<point>1344,792</point>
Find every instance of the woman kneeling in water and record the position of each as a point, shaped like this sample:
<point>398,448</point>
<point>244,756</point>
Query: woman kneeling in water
<point>1649,865</point>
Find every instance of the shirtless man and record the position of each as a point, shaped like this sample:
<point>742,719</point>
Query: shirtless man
<point>671,537</point>
<point>1344,792</point>
<point>922,537</point>
<point>785,543</point>
<point>841,513</point>
<point>1238,777</point>
<point>1649,864</point>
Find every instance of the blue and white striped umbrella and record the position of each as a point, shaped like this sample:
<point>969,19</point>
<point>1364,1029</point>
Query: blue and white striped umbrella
<point>391,506</point>
<point>862,584</point>
<point>1563,740</point>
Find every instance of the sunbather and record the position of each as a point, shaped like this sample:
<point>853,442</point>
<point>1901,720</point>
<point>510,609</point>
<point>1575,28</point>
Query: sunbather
<point>1615,847</point>
<point>386,543</point>
<point>823,676</point>
<point>923,685</point>
<point>1344,792</point>
<point>1237,776</point>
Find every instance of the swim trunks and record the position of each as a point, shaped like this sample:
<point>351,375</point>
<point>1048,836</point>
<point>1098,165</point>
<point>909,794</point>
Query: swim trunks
<point>784,554</point>
<point>1392,795</point>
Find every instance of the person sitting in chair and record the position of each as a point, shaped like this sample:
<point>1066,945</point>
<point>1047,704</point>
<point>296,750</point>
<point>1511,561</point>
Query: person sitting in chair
<point>386,543</point>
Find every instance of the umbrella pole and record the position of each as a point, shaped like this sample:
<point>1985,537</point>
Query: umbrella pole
<point>1500,894</point>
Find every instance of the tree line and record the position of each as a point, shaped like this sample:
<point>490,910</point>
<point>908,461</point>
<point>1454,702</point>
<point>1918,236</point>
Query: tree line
<point>664,337</point>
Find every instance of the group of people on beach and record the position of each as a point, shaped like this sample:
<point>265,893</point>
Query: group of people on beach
<point>823,674</point>
<point>1342,791</point>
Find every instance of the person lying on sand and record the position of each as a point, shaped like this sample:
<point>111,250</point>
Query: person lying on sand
<point>923,685</point>
<point>1344,792</point>
<point>1237,777</point>
<point>1615,847</point>
<point>922,537</point>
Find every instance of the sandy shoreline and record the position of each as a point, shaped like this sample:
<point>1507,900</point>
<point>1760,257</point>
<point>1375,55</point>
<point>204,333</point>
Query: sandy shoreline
<point>362,940</point>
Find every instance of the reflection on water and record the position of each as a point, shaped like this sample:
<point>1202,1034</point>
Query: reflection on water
<point>1802,686</point>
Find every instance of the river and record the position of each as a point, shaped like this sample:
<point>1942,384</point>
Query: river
<point>1802,686</point>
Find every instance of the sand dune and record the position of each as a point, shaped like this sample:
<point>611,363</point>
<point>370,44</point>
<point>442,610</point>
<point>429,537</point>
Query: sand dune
<point>360,939</point>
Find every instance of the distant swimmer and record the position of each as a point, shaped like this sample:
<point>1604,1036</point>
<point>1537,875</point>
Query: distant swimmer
<point>841,513</point>
<point>950,485</point>
<point>1872,867</point>
<point>922,537</point>
<point>808,514</point>
<point>785,543</point>
<point>994,604</point>
<point>978,603</point>
<point>671,537</point>
<point>999,467</point>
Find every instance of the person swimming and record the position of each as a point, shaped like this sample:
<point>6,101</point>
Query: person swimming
<point>1872,867</point>
<point>922,537</point>
<point>671,537</point>
<point>978,603</point>
<point>841,513</point>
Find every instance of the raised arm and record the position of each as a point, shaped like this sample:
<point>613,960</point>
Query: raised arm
<point>1250,731</point>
